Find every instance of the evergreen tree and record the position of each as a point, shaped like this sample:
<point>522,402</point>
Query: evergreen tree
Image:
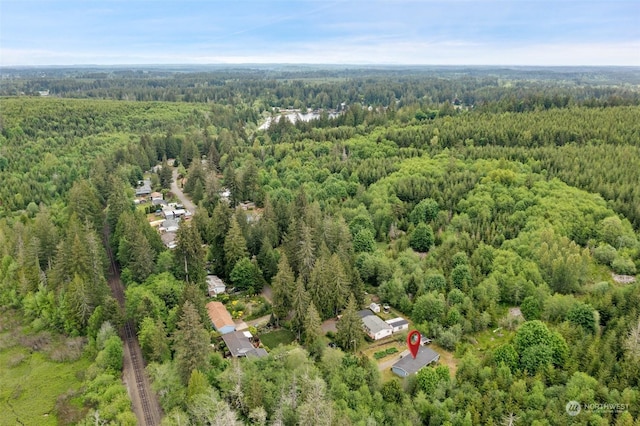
<point>282,289</point>
<point>189,256</point>
<point>190,343</point>
<point>299,305</point>
<point>349,328</point>
<point>306,252</point>
<point>312,337</point>
<point>165,174</point>
<point>235,246</point>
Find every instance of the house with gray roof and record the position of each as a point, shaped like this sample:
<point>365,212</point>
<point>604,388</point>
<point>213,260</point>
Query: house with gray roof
<point>144,189</point>
<point>239,345</point>
<point>408,365</point>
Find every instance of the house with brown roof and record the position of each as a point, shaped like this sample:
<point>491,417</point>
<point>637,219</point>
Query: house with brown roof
<point>220,318</point>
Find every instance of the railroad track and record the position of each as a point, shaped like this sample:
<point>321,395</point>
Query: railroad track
<point>130,340</point>
<point>138,368</point>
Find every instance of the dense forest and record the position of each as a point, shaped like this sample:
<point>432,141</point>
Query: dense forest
<point>497,210</point>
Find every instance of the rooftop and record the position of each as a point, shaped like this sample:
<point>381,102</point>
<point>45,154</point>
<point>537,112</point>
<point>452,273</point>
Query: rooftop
<point>374,324</point>
<point>396,322</point>
<point>365,313</point>
<point>240,345</point>
<point>219,315</point>
<point>424,357</point>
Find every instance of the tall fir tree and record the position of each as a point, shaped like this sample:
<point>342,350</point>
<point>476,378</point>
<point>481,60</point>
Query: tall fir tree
<point>235,246</point>
<point>189,256</point>
<point>190,343</point>
<point>299,304</point>
<point>349,328</point>
<point>282,289</point>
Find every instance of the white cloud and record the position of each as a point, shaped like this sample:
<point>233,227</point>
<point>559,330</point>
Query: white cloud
<point>353,51</point>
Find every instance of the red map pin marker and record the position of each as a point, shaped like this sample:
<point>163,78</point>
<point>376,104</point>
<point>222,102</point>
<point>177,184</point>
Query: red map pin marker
<point>413,341</point>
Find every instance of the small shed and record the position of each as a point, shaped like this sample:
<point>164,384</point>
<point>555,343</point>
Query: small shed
<point>374,307</point>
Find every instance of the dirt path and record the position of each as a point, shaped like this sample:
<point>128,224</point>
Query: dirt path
<point>177,191</point>
<point>144,402</point>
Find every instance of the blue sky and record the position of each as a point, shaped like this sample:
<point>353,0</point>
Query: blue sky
<point>433,32</point>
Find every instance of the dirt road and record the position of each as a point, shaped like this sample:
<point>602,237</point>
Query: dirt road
<point>143,400</point>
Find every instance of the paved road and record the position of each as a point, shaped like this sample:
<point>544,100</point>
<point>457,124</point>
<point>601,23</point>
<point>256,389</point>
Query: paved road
<point>177,191</point>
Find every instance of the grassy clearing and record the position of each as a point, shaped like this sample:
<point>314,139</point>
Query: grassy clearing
<point>31,384</point>
<point>488,340</point>
<point>278,337</point>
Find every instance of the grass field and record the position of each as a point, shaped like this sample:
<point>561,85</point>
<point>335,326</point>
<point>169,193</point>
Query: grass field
<point>30,385</point>
<point>278,337</point>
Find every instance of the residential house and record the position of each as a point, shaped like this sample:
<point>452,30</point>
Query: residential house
<point>169,240</point>
<point>168,213</point>
<point>220,318</point>
<point>376,328</point>
<point>144,189</point>
<point>169,225</point>
<point>239,345</point>
<point>215,286</point>
<point>408,365</point>
<point>398,324</point>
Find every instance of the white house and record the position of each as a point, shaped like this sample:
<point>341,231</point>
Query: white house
<point>169,225</point>
<point>398,324</point>
<point>374,307</point>
<point>376,328</point>
<point>215,285</point>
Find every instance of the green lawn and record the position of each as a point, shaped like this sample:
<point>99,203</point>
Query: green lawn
<point>30,384</point>
<point>278,337</point>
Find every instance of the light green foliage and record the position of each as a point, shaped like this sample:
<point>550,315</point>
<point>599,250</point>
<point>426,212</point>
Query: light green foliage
<point>623,265</point>
<point>425,211</point>
<point>506,354</point>
<point>605,254</point>
<point>502,186</point>
<point>421,238</point>
<point>363,241</point>
<point>246,276</point>
<point>531,308</point>
<point>153,340</point>
<point>429,307</point>
<point>583,315</point>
